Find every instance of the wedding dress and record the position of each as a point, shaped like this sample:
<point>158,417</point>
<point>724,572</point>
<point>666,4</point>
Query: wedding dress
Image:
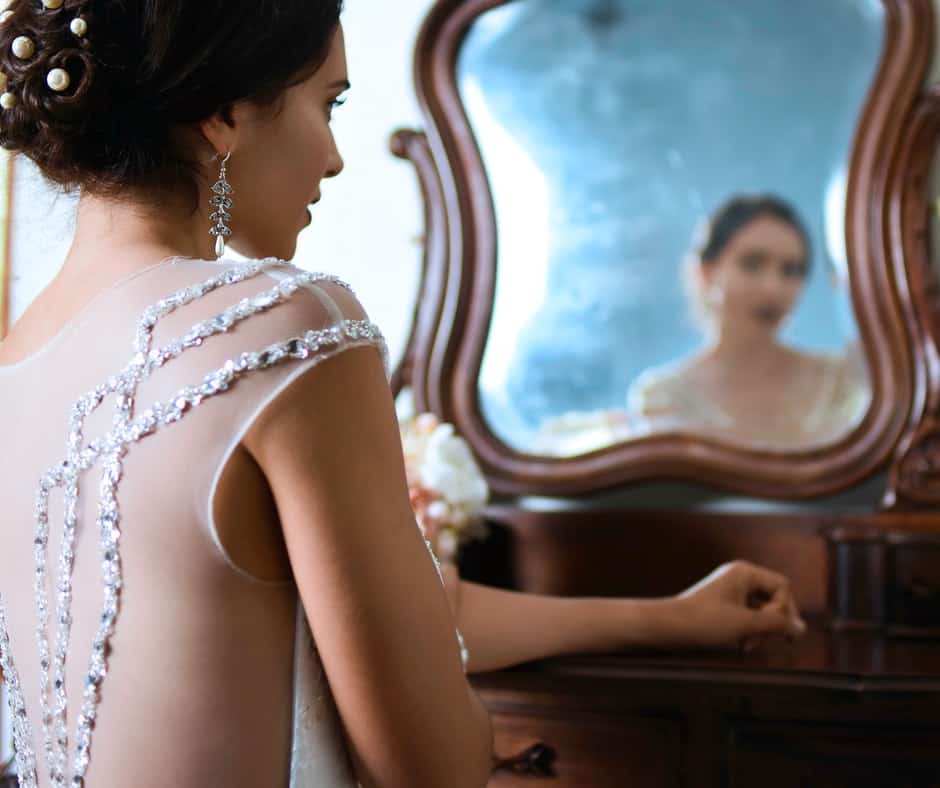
<point>668,398</point>
<point>136,650</point>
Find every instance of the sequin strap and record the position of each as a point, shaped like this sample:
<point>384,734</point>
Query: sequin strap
<point>461,643</point>
<point>128,428</point>
<point>22,730</point>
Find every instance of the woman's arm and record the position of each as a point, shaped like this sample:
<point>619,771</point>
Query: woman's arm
<point>330,449</point>
<point>735,606</point>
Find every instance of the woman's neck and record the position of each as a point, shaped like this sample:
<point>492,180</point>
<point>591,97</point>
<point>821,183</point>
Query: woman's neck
<point>754,350</point>
<point>113,239</point>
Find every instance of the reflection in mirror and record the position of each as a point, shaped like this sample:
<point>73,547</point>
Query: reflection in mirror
<point>743,282</point>
<point>620,138</point>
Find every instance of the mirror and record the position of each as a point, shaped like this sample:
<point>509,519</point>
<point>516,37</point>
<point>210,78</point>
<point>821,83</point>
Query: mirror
<point>669,185</point>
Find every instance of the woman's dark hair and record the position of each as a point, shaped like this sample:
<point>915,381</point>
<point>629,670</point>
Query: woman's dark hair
<point>144,70</point>
<point>715,235</point>
<point>740,211</point>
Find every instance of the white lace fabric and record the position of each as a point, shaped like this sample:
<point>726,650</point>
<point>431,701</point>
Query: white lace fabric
<point>135,651</point>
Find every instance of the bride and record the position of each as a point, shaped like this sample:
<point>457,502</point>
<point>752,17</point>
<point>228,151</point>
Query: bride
<point>746,384</point>
<point>211,573</point>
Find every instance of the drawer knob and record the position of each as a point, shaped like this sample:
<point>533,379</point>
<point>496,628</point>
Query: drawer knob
<point>535,761</point>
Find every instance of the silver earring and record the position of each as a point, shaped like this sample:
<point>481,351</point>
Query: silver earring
<point>222,202</point>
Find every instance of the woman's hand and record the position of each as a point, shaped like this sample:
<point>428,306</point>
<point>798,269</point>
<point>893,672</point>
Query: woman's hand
<point>738,605</point>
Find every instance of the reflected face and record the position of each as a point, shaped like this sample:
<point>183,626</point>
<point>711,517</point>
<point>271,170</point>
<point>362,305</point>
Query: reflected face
<point>757,278</point>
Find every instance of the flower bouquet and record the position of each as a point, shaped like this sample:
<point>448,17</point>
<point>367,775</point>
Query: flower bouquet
<point>446,486</point>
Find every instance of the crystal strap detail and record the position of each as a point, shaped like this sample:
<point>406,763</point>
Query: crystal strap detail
<point>461,643</point>
<point>110,449</point>
<point>22,730</point>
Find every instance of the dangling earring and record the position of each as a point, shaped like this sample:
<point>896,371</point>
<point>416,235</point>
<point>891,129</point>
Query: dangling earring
<point>222,202</point>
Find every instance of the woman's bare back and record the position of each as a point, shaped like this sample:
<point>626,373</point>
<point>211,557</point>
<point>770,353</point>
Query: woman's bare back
<point>197,688</point>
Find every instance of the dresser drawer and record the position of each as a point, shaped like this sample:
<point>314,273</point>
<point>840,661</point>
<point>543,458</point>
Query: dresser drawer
<point>798,755</point>
<point>589,751</point>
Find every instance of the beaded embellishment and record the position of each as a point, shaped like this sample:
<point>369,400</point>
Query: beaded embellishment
<point>128,428</point>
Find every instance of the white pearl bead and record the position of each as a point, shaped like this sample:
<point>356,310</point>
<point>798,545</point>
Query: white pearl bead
<point>79,26</point>
<point>7,101</point>
<point>5,16</point>
<point>5,4</point>
<point>23,47</point>
<point>58,79</point>
<point>53,4</point>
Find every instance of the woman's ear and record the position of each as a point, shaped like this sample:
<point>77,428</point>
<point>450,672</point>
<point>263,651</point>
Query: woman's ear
<point>221,131</point>
<point>705,272</point>
<point>711,287</point>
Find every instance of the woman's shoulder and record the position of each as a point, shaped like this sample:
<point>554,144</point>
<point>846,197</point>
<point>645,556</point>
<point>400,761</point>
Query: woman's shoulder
<point>845,366</point>
<point>293,279</point>
<point>659,387</point>
<point>229,308</point>
<point>303,298</point>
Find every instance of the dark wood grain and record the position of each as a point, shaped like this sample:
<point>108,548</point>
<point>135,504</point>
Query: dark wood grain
<point>840,706</point>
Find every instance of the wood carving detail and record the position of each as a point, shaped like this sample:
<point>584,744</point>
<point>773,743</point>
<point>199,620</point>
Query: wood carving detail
<point>917,474</point>
<point>419,356</point>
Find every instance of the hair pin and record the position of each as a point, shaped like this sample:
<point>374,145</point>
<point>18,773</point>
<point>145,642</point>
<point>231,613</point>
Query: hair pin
<point>23,47</point>
<point>58,79</point>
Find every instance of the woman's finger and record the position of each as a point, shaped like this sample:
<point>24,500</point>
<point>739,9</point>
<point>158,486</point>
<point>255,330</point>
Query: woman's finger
<point>775,619</point>
<point>764,580</point>
<point>794,612</point>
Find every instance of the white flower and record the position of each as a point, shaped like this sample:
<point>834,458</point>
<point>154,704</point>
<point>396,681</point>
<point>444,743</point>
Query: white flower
<point>447,545</point>
<point>449,469</point>
<point>446,486</point>
<point>439,510</point>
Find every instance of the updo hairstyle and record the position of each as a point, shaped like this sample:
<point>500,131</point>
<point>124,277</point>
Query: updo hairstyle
<point>95,92</point>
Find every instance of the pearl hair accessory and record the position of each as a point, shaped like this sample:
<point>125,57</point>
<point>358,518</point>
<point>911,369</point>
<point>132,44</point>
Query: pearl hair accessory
<point>5,4</point>
<point>23,47</point>
<point>58,79</point>
<point>79,26</point>
<point>52,5</point>
<point>7,101</point>
<point>5,16</point>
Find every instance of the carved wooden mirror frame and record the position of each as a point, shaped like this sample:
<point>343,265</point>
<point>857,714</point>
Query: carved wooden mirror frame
<point>893,291</point>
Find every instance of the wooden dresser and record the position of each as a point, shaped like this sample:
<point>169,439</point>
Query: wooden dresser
<point>846,705</point>
<point>855,524</point>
